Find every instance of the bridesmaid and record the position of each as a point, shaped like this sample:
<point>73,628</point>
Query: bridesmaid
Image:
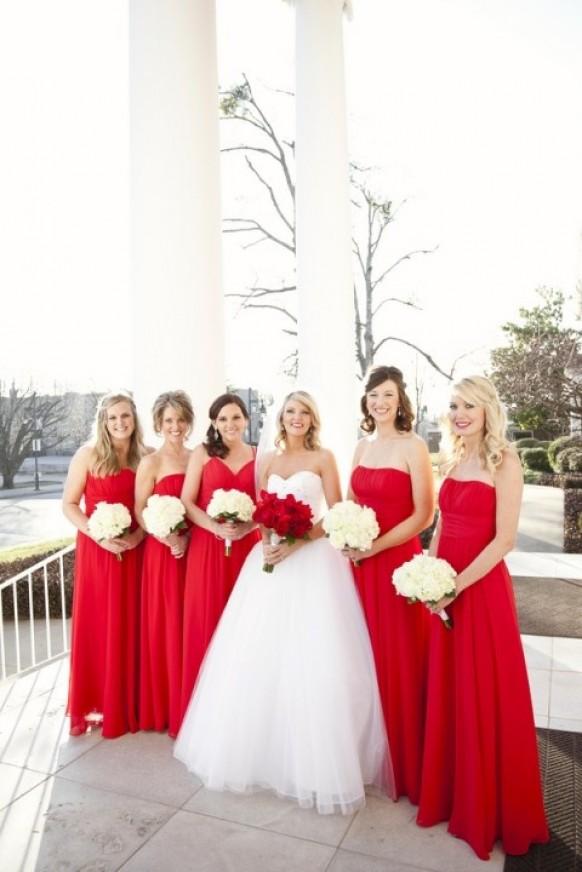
<point>480,768</point>
<point>104,649</point>
<point>162,586</point>
<point>392,474</point>
<point>225,461</point>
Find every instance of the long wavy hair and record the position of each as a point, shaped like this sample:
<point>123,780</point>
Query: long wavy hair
<point>311,438</point>
<point>105,460</point>
<point>179,401</point>
<point>479,391</point>
<point>213,442</point>
<point>404,416</point>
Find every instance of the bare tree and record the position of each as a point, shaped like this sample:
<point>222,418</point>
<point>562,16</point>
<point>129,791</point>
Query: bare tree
<point>270,160</point>
<point>23,414</point>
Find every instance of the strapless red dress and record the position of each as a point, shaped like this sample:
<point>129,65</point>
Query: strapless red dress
<point>399,631</point>
<point>210,575</point>
<point>162,610</point>
<point>480,768</point>
<point>104,643</point>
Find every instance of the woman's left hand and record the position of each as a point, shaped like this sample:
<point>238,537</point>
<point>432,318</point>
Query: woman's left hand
<point>277,553</point>
<point>442,604</point>
<point>133,539</point>
<point>356,556</point>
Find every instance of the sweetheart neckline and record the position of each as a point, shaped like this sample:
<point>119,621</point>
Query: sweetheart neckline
<point>299,472</point>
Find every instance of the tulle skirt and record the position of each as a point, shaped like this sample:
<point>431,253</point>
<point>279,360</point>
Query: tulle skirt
<point>287,697</point>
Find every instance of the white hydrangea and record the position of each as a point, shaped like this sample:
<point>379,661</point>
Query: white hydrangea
<point>349,525</point>
<point>230,505</point>
<point>425,579</point>
<point>163,515</point>
<point>109,521</point>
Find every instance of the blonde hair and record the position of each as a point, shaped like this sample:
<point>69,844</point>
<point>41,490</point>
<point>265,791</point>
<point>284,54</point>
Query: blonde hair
<point>311,439</point>
<point>479,391</point>
<point>106,461</point>
<point>179,401</point>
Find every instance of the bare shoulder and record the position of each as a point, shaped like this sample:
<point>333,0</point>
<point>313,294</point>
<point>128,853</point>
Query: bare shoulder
<point>149,462</point>
<point>360,448</point>
<point>199,454</point>
<point>326,458</point>
<point>84,457</point>
<point>510,466</point>
<point>416,446</point>
<point>148,450</point>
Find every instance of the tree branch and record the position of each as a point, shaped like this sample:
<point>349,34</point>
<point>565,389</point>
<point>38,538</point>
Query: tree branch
<point>431,360</point>
<point>404,257</point>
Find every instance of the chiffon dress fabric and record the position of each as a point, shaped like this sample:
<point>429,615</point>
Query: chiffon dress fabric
<point>210,575</point>
<point>287,698</point>
<point>162,611</point>
<point>480,768</point>
<point>398,630</point>
<point>105,626</point>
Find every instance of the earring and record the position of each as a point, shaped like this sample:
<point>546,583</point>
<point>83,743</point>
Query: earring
<point>399,412</point>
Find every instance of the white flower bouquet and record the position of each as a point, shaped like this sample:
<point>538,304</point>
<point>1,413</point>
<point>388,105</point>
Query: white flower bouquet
<point>427,580</point>
<point>233,506</point>
<point>163,515</point>
<point>349,525</point>
<point>109,521</point>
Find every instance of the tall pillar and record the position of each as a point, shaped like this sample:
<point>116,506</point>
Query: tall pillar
<point>324,272</point>
<point>178,310</point>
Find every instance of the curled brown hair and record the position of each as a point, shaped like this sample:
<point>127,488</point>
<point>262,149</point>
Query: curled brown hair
<point>213,442</point>
<point>404,416</point>
<point>179,401</point>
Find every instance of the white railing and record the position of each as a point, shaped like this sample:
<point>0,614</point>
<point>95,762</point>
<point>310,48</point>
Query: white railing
<point>27,653</point>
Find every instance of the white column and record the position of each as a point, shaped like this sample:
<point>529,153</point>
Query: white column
<point>178,310</point>
<point>324,272</point>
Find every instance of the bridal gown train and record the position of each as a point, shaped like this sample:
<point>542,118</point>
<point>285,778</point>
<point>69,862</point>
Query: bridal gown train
<point>287,697</point>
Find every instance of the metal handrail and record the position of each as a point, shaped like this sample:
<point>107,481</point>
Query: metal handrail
<point>26,576</point>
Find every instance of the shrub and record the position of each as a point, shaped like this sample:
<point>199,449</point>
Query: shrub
<point>526,443</point>
<point>536,459</point>
<point>570,460</point>
<point>544,443</point>
<point>560,444</point>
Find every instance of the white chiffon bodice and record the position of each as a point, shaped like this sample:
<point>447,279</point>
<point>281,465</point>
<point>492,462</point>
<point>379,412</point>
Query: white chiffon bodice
<point>305,485</point>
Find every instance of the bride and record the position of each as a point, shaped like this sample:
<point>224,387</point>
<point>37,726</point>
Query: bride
<point>287,697</point>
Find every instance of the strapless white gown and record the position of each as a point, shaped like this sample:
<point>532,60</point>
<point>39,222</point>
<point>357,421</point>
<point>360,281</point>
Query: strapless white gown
<point>287,697</point>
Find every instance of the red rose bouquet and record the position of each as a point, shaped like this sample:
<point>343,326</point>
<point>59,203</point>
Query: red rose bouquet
<point>286,518</point>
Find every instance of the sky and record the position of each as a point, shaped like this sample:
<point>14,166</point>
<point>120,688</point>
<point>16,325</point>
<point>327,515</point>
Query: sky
<point>467,110</point>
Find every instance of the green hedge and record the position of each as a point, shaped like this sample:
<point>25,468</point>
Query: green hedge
<point>526,443</point>
<point>14,567</point>
<point>560,444</point>
<point>536,459</point>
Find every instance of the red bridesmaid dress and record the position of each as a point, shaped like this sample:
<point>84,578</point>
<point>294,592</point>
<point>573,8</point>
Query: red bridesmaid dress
<point>399,631</point>
<point>104,644</point>
<point>480,769</point>
<point>162,608</point>
<point>210,575</point>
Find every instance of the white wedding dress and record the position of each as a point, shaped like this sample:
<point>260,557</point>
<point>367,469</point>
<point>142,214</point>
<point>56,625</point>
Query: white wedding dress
<point>287,697</point>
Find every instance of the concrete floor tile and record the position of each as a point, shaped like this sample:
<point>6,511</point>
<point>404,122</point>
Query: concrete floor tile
<point>138,765</point>
<point>539,683</point>
<point>14,782</point>
<point>93,829</point>
<point>567,654</point>
<point>194,843</point>
<point>36,735</point>
<point>347,861</point>
<point>538,651</point>
<point>15,692</point>
<point>265,810</point>
<point>388,830</point>
<point>566,700</point>
<point>568,724</point>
